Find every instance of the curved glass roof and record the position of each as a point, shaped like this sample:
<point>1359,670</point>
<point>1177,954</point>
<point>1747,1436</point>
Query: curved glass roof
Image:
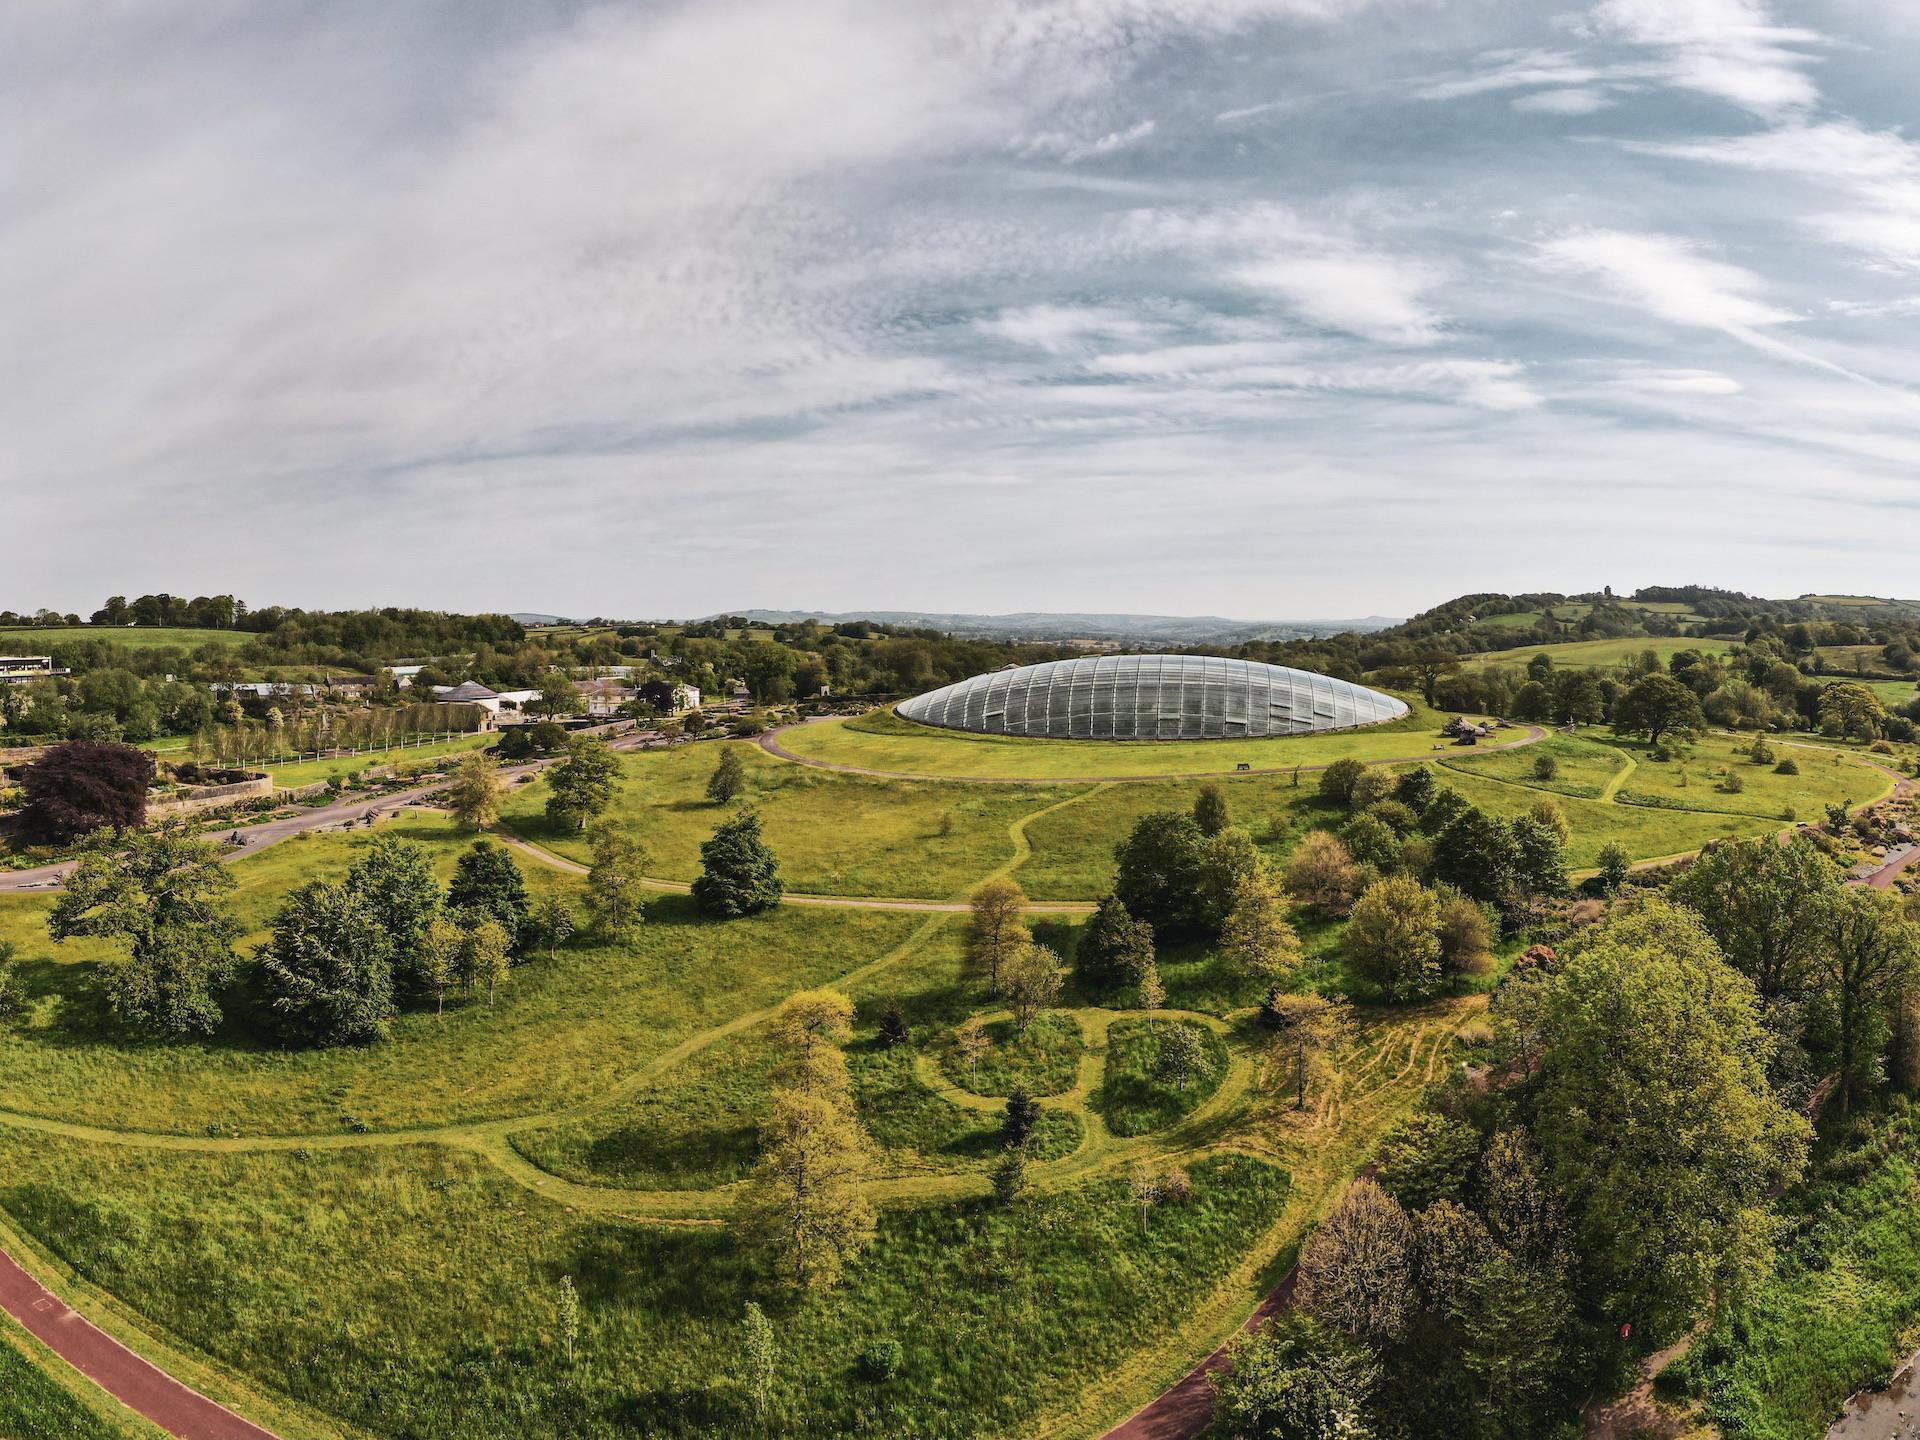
<point>1152,697</point>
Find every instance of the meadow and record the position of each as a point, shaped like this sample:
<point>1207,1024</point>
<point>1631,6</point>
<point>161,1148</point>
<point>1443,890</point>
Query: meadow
<point>883,741</point>
<point>35,639</point>
<point>1600,653</point>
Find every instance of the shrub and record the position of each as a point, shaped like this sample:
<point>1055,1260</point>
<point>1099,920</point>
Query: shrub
<point>1370,787</point>
<point>1545,767</point>
<point>1787,766</point>
<point>1338,779</point>
<point>880,1361</point>
<point>1176,1187</point>
<point>1321,874</point>
<point>1010,1177</point>
<point>1760,753</point>
<point>1731,783</point>
<point>893,1024</point>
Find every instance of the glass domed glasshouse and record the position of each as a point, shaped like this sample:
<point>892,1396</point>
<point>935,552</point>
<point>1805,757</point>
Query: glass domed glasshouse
<point>1152,697</point>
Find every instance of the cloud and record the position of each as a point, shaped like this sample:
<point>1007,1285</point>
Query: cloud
<point>1730,49</point>
<point>1065,146</point>
<point>1669,279</point>
<point>1371,296</point>
<point>1579,101</point>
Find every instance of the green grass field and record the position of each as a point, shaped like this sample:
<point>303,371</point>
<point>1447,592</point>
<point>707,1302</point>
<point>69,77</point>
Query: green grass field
<point>575,1027</point>
<point>35,640</point>
<point>1598,652</point>
<point>835,834</point>
<point>883,741</point>
<point>307,772</point>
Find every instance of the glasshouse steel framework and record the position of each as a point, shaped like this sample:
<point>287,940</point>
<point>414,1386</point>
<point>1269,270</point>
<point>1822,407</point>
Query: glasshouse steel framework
<point>1152,697</point>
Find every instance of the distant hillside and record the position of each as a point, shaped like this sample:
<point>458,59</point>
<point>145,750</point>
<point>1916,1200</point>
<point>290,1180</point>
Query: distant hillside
<point>1037,625</point>
<point>1491,621</point>
<point>526,617</point>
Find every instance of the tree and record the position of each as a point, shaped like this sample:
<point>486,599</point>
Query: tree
<point>1393,938</point>
<point>970,1046</point>
<point>558,697</point>
<point>1321,874</point>
<point>1615,865</point>
<point>996,930</point>
<point>395,877</point>
<point>1292,1379</point>
<point>83,786</point>
<point>1160,874</point>
<point>1371,841</point>
<point>1023,1113</point>
<point>474,795</point>
<point>552,925</point>
<point>1309,1031</point>
<point>485,957</point>
<point>1114,947</point>
<point>1657,1121</point>
<point>805,1199</point>
<point>487,885</point>
<point>1210,810</point>
<point>1356,1268</point>
<point>1766,906</point>
<point>1545,811</point>
<point>1466,934</point>
<point>1033,979</point>
<point>729,777</point>
<point>1852,710</point>
<point>1414,789</point>
<point>1478,856</point>
<point>1257,940</point>
<point>1152,993</point>
<point>567,1315</point>
<point>757,1360</point>
<point>1338,779</point>
<point>812,1019</point>
<point>1428,1157</point>
<point>1657,706</point>
<point>1180,1055</point>
<point>1226,861</point>
<point>1539,858</point>
<point>161,894</point>
<point>1867,964</point>
<point>616,883</point>
<point>1010,1175</point>
<point>580,787</point>
<point>738,873</point>
<point>437,959</point>
<point>326,975</point>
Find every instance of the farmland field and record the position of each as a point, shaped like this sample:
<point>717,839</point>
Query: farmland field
<point>1598,652</point>
<point>36,639</point>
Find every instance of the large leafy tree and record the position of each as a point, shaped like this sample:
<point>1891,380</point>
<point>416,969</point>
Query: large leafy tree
<point>997,931</point>
<point>580,787</point>
<point>1766,905</point>
<point>1657,1120</point>
<point>1114,947</point>
<point>475,792</point>
<point>487,885</point>
<point>326,974</point>
<point>1258,939</point>
<point>160,893</point>
<point>616,883</point>
<point>395,877</point>
<point>1161,874</point>
<point>1393,938</point>
<point>83,786</point>
<point>739,875</point>
<point>1869,961</point>
<point>1658,707</point>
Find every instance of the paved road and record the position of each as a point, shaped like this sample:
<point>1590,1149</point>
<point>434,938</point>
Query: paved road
<point>1186,1410</point>
<point>139,1386</point>
<point>770,742</point>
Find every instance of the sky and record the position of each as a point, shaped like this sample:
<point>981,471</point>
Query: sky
<point>1278,309</point>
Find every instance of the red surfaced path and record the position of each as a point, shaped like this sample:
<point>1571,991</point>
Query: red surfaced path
<point>122,1374</point>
